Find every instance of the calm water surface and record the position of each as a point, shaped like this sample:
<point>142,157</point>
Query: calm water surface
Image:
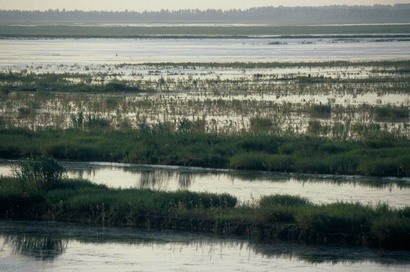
<point>109,51</point>
<point>247,186</point>
<point>42,246</point>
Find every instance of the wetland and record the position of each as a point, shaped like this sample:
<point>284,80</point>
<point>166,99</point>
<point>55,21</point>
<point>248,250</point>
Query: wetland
<point>284,146</point>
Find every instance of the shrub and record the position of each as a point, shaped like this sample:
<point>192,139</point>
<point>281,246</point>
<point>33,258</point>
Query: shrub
<point>42,171</point>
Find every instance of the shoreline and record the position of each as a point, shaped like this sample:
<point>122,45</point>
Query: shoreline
<point>321,31</point>
<point>280,217</point>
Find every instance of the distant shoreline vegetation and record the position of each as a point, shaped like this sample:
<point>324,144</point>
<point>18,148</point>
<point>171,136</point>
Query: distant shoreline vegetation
<point>400,32</point>
<point>342,14</point>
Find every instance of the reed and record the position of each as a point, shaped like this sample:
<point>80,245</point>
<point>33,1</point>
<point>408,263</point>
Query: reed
<point>275,217</point>
<point>160,144</point>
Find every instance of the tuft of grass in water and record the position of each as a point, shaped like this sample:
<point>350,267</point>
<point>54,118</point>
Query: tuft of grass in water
<point>392,114</point>
<point>42,83</point>
<point>261,125</point>
<point>321,111</point>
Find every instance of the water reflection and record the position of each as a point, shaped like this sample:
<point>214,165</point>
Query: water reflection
<point>38,247</point>
<point>185,180</point>
<point>153,176</point>
<point>331,254</point>
<point>115,51</point>
<point>51,241</point>
<point>160,180</point>
<point>247,186</point>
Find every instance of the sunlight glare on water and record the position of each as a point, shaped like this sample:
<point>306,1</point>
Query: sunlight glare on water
<point>109,51</point>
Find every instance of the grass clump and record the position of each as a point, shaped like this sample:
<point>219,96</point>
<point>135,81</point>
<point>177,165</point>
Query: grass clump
<point>260,125</point>
<point>392,114</point>
<point>282,200</point>
<point>321,111</point>
<point>278,216</point>
<point>43,83</point>
<point>42,172</point>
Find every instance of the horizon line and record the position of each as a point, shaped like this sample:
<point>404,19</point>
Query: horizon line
<point>198,9</point>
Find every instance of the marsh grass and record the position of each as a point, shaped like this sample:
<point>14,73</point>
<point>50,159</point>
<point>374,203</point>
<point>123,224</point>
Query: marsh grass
<point>392,114</point>
<point>49,82</point>
<point>161,144</point>
<point>261,125</point>
<point>321,111</point>
<point>122,98</point>
<point>278,216</point>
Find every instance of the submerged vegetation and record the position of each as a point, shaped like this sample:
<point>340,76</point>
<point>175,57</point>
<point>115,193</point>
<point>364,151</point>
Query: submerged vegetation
<point>275,217</point>
<point>340,100</point>
<point>346,118</point>
<point>30,82</point>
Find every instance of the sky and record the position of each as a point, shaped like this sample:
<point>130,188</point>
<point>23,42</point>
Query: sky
<point>154,5</point>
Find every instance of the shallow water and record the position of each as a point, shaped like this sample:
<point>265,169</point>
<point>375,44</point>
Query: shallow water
<point>109,51</point>
<point>42,246</point>
<point>247,186</point>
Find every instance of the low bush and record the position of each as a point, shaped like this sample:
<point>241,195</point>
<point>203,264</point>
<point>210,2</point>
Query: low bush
<point>43,172</point>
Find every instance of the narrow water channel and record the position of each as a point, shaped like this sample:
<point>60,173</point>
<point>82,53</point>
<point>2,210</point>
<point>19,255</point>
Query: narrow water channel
<point>247,186</point>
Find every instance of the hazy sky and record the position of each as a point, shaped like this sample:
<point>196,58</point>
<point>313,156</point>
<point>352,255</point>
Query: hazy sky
<point>140,5</point>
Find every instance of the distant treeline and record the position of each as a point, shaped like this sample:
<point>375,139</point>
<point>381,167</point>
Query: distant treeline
<point>399,13</point>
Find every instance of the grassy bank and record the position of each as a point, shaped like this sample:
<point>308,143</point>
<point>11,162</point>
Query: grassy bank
<point>283,217</point>
<point>379,155</point>
<point>71,31</point>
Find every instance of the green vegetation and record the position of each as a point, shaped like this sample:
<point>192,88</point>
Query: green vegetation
<point>283,217</point>
<point>42,172</point>
<point>175,122</point>
<point>30,82</point>
<point>261,125</point>
<point>401,66</point>
<point>321,111</point>
<point>97,82</point>
<point>61,31</point>
<point>339,100</point>
<point>160,144</point>
<point>389,113</point>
